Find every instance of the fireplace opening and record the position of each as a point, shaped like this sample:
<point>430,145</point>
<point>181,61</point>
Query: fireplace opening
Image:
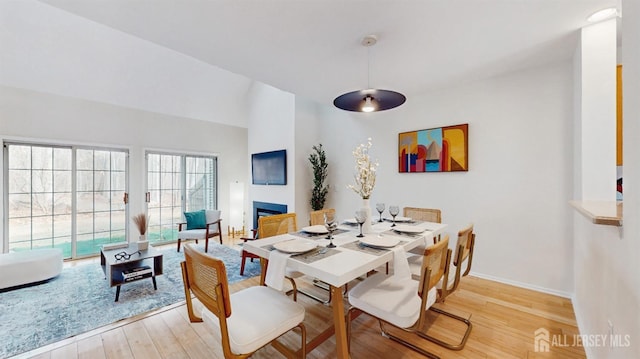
<point>266,209</point>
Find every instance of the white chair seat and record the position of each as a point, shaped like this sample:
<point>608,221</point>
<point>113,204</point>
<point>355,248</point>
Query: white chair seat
<point>192,234</point>
<point>389,299</point>
<point>250,325</point>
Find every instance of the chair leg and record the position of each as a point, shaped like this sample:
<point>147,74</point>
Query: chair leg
<point>405,343</point>
<point>387,335</point>
<point>445,344</point>
<point>220,235</point>
<point>206,245</point>
<point>242,260</point>
<point>178,244</point>
<point>294,290</point>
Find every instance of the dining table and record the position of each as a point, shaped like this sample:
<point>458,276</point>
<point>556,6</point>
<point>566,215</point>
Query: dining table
<point>306,251</point>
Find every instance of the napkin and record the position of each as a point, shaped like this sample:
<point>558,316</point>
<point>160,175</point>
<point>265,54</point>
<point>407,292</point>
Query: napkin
<point>276,269</point>
<point>401,268</point>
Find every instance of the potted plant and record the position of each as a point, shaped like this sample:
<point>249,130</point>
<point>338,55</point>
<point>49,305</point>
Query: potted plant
<point>142,222</point>
<point>320,188</point>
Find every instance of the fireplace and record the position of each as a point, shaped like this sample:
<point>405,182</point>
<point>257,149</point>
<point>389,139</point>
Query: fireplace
<point>266,209</point>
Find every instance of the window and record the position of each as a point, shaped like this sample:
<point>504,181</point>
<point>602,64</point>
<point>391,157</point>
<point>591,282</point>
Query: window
<point>65,197</point>
<point>177,183</point>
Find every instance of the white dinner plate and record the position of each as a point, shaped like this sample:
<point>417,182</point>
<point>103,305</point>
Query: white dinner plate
<point>317,229</point>
<point>350,221</point>
<point>295,246</point>
<point>399,219</point>
<point>408,229</point>
<point>379,242</point>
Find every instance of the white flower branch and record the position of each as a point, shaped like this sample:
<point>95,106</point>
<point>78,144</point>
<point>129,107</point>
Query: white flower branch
<point>365,177</point>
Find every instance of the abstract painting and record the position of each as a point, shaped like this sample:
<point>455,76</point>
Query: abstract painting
<point>442,149</point>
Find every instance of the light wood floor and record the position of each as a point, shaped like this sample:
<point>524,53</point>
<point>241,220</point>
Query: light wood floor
<point>504,320</point>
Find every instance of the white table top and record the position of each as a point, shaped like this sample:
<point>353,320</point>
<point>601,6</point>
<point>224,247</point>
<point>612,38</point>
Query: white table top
<point>340,268</point>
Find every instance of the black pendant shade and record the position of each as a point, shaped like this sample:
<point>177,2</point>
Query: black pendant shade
<point>380,100</point>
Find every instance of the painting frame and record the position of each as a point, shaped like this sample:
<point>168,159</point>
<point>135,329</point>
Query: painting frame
<point>438,149</point>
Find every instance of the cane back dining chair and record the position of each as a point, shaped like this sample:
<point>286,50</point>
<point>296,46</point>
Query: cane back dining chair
<point>423,214</point>
<point>210,228</point>
<point>269,226</point>
<point>317,217</point>
<point>461,262</point>
<point>244,321</point>
<point>401,302</point>
<point>450,281</point>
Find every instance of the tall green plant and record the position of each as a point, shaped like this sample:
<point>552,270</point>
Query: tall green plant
<point>320,188</point>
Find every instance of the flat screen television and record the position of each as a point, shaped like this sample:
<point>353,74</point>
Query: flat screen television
<point>269,168</point>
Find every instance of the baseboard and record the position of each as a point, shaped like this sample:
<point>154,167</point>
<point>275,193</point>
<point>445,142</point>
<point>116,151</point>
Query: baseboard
<point>559,293</point>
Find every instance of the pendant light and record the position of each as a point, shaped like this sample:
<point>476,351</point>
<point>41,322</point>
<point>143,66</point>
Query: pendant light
<point>369,100</point>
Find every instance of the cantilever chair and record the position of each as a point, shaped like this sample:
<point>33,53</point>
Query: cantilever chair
<point>317,217</point>
<point>403,303</point>
<point>423,214</point>
<point>211,229</point>
<point>269,226</point>
<point>462,258</point>
<point>244,321</point>
<point>451,279</point>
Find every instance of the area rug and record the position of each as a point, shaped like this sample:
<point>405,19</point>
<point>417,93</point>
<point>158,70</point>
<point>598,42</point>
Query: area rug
<point>79,300</point>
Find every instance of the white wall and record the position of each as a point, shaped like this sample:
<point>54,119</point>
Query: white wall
<point>41,117</point>
<point>51,50</point>
<point>607,259</point>
<point>519,179</point>
<point>597,101</point>
<point>306,136</point>
<point>271,127</point>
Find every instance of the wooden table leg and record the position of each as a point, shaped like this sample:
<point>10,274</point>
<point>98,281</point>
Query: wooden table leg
<point>263,269</point>
<point>339,322</point>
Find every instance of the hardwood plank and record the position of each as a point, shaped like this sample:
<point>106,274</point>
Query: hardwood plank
<point>91,348</point>
<point>139,341</point>
<point>166,343</point>
<point>116,345</point>
<point>67,351</point>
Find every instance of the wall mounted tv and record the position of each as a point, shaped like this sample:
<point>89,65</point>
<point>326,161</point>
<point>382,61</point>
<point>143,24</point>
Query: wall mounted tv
<point>269,168</point>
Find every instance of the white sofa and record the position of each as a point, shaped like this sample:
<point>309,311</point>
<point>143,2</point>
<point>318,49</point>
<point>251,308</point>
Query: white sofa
<point>24,267</point>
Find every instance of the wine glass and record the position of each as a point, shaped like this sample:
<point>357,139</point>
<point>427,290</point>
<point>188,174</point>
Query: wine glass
<point>361,217</point>
<point>380,209</point>
<point>331,224</point>
<point>393,211</point>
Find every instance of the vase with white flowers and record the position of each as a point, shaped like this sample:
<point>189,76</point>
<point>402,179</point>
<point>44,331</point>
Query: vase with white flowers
<point>142,222</point>
<point>365,179</point>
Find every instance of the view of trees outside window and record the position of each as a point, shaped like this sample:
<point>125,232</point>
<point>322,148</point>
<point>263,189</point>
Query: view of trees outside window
<point>101,185</point>
<point>40,196</point>
<point>177,183</point>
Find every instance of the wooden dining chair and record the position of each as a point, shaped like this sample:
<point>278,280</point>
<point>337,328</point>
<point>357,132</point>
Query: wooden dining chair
<point>245,321</point>
<point>269,226</point>
<point>451,279</point>
<point>423,214</point>
<point>402,303</point>
<point>317,217</point>
<point>462,259</point>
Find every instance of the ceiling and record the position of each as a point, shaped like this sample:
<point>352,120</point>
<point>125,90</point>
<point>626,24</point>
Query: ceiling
<point>312,47</point>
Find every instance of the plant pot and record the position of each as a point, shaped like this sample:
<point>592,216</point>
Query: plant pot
<point>143,243</point>
<point>366,227</point>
